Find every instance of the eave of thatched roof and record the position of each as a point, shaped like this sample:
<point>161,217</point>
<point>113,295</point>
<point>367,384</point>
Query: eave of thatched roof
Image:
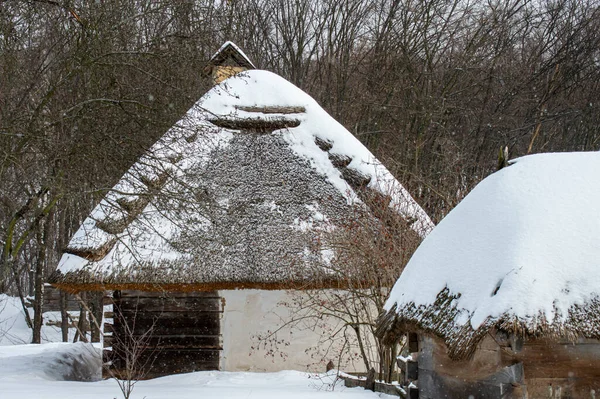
<point>237,194</point>
<point>442,319</point>
<point>75,285</point>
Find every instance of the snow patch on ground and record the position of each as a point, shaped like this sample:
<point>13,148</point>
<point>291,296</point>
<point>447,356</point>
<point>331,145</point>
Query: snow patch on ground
<point>52,362</point>
<point>44,371</point>
<point>14,330</point>
<point>74,371</point>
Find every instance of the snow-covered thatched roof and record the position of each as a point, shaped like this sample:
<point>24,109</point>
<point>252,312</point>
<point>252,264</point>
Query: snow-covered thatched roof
<point>519,254</point>
<point>237,194</point>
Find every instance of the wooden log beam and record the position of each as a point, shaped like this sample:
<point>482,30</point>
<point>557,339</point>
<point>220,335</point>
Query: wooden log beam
<point>274,109</point>
<point>174,342</point>
<point>185,304</point>
<point>165,294</point>
<point>256,125</point>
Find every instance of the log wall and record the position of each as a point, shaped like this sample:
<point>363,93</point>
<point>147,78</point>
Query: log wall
<point>489,375</point>
<point>52,300</point>
<point>154,334</point>
<point>561,369</point>
<point>500,369</point>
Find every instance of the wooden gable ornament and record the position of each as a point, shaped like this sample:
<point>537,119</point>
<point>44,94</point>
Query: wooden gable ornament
<point>229,60</point>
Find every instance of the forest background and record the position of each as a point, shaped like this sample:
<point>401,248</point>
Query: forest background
<point>434,88</point>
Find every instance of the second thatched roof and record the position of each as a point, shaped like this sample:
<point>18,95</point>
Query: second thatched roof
<point>519,254</point>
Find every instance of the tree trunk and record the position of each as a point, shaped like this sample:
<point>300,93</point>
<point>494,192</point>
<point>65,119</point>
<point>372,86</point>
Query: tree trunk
<point>81,325</point>
<point>38,303</point>
<point>64,317</point>
<point>31,287</point>
<point>28,320</point>
<point>370,383</point>
<point>361,346</point>
<point>96,314</point>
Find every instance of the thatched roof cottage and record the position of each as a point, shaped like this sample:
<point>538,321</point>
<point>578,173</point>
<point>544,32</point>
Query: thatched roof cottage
<point>505,292</point>
<point>222,215</point>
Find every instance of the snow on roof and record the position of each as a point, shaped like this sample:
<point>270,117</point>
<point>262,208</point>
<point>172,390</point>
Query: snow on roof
<point>192,209</point>
<point>520,250</point>
<point>231,100</point>
<point>231,45</point>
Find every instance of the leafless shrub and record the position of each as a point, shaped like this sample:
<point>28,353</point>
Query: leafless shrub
<point>370,253</point>
<point>131,356</point>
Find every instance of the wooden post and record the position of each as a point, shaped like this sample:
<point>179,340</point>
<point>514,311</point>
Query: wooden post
<point>330,366</point>
<point>413,342</point>
<point>391,363</point>
<point>370,383</point>
<point>413,392</point>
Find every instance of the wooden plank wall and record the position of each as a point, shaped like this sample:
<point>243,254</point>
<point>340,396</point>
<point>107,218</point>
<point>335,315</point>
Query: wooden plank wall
<point>561,369</point>
<point>536,369</point>
<point>488,375</point>
<point>155,334</point>
<point>52,300</point>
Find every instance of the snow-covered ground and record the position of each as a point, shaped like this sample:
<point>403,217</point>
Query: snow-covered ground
<point>14,330</point>
<point>43,371</point>
<point>72,371</point>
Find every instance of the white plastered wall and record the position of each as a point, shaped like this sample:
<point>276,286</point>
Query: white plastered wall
<point>250,314</point>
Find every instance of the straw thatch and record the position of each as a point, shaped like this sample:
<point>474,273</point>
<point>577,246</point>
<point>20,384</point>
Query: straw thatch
<point>225,200</point>
<point>440,319</point>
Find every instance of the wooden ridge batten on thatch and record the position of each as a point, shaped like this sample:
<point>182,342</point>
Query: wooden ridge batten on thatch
<point>260,125</point>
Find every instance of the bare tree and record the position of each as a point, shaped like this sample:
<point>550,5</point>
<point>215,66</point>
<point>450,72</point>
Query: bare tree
<point>368,254</point>
<point>134,355</point>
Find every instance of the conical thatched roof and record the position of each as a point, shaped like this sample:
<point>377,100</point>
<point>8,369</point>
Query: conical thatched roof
<point>518,255</point>
<point>234,195</point>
